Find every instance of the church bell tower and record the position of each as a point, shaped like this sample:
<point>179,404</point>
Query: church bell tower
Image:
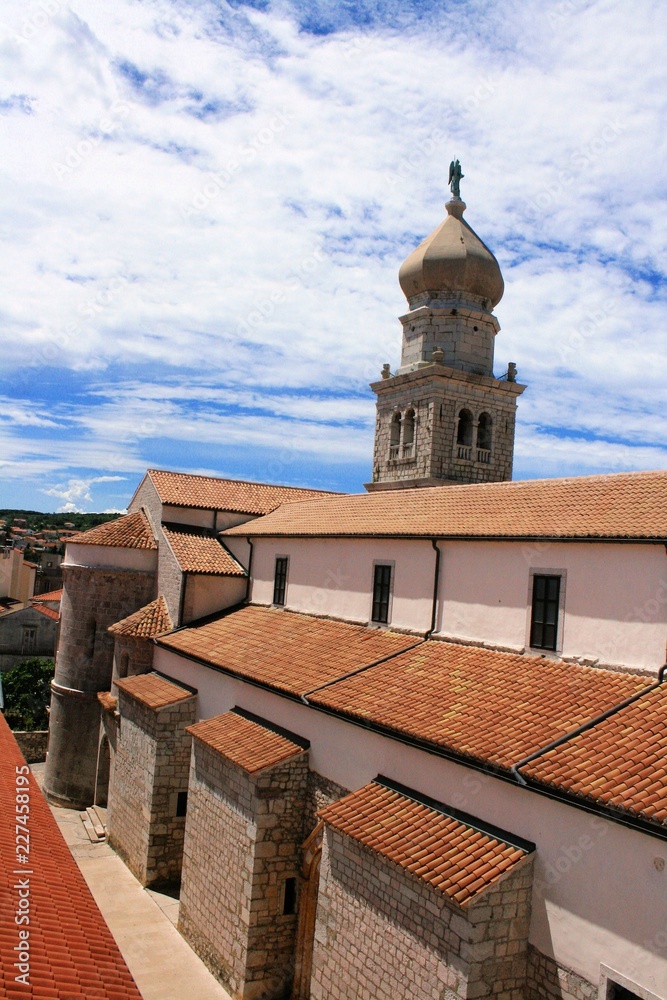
<point>443,418</point>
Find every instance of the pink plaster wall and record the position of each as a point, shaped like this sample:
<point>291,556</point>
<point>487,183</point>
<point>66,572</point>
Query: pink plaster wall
<point>615,595</point>
<point>335,577</point>
<point>206,594</point>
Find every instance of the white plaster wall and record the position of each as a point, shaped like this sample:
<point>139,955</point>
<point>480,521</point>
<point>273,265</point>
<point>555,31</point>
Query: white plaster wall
<point>598,895</point>
<point>335,577</point>
<point>110,557</point>
<point>615,599</point>
<point>239,548</point>
<point>206,594</point>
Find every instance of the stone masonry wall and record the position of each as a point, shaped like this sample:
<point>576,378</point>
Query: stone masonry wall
<point>218,860</point>
<point>150,768</point>
<point>383,933</point>
<point>139,654</point>
<point>549,981</point>
<point>465,334</point>
<point>437,401</point>
<point>93,599</point>
<point>243,840</point>
<point>320,792</point>
<point>33,745</point>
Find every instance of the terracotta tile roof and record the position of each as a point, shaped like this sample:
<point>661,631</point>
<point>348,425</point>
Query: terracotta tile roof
<point>153,691</point>
<point>621,762</point>
<point>47,612</point>
<point>290,652</point>
<point>72,953</point>
<point>179,489</point>
<point>146,622</point>
<point>132,531</point>
<point>492,707</point>
<point>198,553</point>
<point>626,505</point>
<point>107,701</point>
<point>246,741</point>
<point>52,595</point>
<point>459,860</point>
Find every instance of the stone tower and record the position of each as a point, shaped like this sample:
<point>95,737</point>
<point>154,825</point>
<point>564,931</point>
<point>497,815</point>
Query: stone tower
<point>444,418</point>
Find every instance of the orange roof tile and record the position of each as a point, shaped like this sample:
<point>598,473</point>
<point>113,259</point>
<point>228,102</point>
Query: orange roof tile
<point>198,553</point>
<point>625,505</point>
<point>481,704</point>
<point>460,860</point>
<point>153,690</point>
<point>620,763</point>
<point>52,595</point>
<point>146,622</point>
<point>107,701</point>
<point>179,489</point>
<point>133,531</point>
<point>72,951</point>
<point>290,652</point>
<point>47,612</point>
<point>248,742</point>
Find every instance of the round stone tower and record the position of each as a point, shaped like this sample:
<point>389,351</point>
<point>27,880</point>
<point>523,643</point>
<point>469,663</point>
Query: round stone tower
<point>444,418</point>
<point>108,573</point>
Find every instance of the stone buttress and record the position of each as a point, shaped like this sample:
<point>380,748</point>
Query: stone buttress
<point>242,855</point>
<point>148,788</point>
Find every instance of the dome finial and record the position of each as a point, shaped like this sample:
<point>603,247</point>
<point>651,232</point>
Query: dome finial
<point>455,175</point>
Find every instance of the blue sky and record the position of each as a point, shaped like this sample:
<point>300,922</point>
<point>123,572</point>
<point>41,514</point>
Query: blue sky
<point>205,206</point>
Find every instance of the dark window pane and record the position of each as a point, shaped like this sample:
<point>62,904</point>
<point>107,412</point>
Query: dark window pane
<point>381,592</point>
<point>280,580</point>
<point>182,804</point>
<point>544,619</point>
<point>289,899</point>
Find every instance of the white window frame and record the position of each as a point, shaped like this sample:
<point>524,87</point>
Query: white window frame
<point>276,557</point>
<point>546,571</point>
<point>610,978</point>
<point>383,562</point>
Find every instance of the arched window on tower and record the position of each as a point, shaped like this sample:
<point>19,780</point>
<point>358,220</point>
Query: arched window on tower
<point>484,438</point>
<point>409,434</point>
<point>395,436</point>
<point>464,435</point>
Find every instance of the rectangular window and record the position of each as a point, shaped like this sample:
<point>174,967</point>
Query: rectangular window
<point>289,897</point>
<point>181,803</point>
<point>544,618</point>
<point>29,643</point>
<point>381,594</point>
<point>280,580</point>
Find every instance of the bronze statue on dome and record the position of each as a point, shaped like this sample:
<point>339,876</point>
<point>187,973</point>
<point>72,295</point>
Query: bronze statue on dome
<point>455,175</point>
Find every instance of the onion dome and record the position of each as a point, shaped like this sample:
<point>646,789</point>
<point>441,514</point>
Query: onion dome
<point>453,259</point>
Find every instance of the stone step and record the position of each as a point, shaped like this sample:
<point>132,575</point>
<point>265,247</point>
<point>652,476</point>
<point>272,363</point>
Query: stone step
<point>97,820</point>
<point>93,826</point>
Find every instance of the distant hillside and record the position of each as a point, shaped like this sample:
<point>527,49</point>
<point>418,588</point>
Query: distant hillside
<point>37,521</point>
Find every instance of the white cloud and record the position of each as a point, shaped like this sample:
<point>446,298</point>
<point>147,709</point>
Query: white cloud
<point>77,491</point>
<point>221,198</point>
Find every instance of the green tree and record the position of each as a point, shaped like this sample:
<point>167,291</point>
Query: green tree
<point>27,690</point>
